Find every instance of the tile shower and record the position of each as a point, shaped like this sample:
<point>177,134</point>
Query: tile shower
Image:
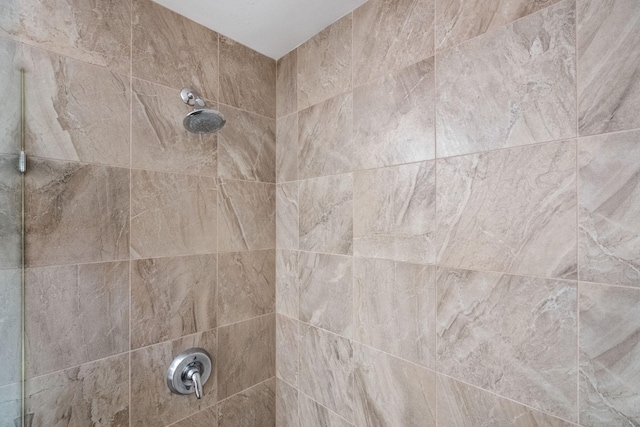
<point>427,214</point>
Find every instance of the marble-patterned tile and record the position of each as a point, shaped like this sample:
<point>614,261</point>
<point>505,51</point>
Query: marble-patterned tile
<point>76,111</point>
<point>461,405</point>
<point>10,88</point>
<point>98,33</point>
<point>287,349</point>
<point>394,118</point>
<point>458,21</point>
<point>325,140</point>
<point>326,369</point>
<point>11,405</point>
<point>608,64</point>
<point>286,405</point>
<point>287,84</point>
<point>324,63</point>
<point>172,214</point>
<point>247,78</point>
<point>160,141</point>
<point>287,300</point>
<point>390,35</point>
<point>205,418</point>
<point>11,213</point>
<point>287,148</point>
<point>396,213</point>
<point>510,210</point>
<point>246,285</point>
<point>609,180</point>
<point>172,298</point>
<point>512,335</point>
<point>94,394</point>
<point>152,403</point>
<point>313,414</point>
<point>513,86</point>
<point>255,407</point>
<point>76,213</point>
<point>395,308</point>
<point>247,146</point>
<point>10,328</point>
<point>172,50</point>
<point>392,392</point>
<point>247,354</point>
<point>246,218</point>
<point>75,314</point>
<point>326,214</point>
<point>287,196</point>
<point>609,362</point>
<point>325,285</point>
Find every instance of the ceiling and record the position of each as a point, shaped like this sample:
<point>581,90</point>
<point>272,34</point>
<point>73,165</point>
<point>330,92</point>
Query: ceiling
<point>272,27</point>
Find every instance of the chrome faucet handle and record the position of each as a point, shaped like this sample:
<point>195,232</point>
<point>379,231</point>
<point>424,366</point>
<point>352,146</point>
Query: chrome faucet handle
<point>189,371</point>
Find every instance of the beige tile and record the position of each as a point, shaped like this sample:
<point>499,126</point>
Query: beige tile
<point>458,21</point>
<point>325,284</point>
<point>255,407</point>
<point>287,148</point>
<point>609,348</point>
<point>98,33</point>
<point>394,118</point>
<point>11,54</point>
<point>396,213</point>
<point>287,283</point>
<point>326,370</point>
<point>152,403</point>
<point>521,79</point>
<point>313,414</point>
<point>247,354</point>
<point>173,51</point>
<point>94,394</point>
<point>205,418</point>
<point>510,210</point>
<point>390,391</point>
<point>160,141</point>
<point>286,405</point>
<point>287,196</point>
<point>325,141</point>
<point>390,35</point>
<point>10,329</point>
<point>247,285</point>
<point>609,245</point>
<point>608,65</point>
<point>172,298</point>
<point>247,145</point>
<point>76,213</point>
<point>511,335</point>
<point>395,308</point>
<point>324,64</point>
<point>287,349</point>
<point>76,111</point>
<point>326,214</point>
<point>286,84</point>
<point>75,314</point>
<point>461,405</point>
<point>172,214</point>
<point>247,78</point>
<point>10,213</point>
<point>246,219</point>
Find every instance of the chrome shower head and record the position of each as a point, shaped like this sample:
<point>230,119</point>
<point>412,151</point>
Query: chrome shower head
<point>201,119</point>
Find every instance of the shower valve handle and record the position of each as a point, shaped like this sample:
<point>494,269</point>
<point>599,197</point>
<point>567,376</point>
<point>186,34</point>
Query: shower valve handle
<point>193,375</point>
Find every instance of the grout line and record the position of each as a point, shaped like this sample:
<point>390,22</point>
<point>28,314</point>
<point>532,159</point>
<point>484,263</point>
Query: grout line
<point>300,392</point>
<point>129,376</point>
<point>577,177</point>
<point>435,203</point>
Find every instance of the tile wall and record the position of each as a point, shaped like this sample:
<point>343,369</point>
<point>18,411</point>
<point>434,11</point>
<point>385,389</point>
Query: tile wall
<point>457,210</point>
<point>143,240</point>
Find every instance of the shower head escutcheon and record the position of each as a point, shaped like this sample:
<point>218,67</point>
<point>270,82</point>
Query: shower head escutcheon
<point>201,119</point>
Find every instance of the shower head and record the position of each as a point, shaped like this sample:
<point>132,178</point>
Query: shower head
<point>201,119</point>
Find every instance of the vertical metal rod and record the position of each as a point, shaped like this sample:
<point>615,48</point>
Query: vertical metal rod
<point>22,242</point>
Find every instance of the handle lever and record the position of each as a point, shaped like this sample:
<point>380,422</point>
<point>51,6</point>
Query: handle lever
<point>197,383</point>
